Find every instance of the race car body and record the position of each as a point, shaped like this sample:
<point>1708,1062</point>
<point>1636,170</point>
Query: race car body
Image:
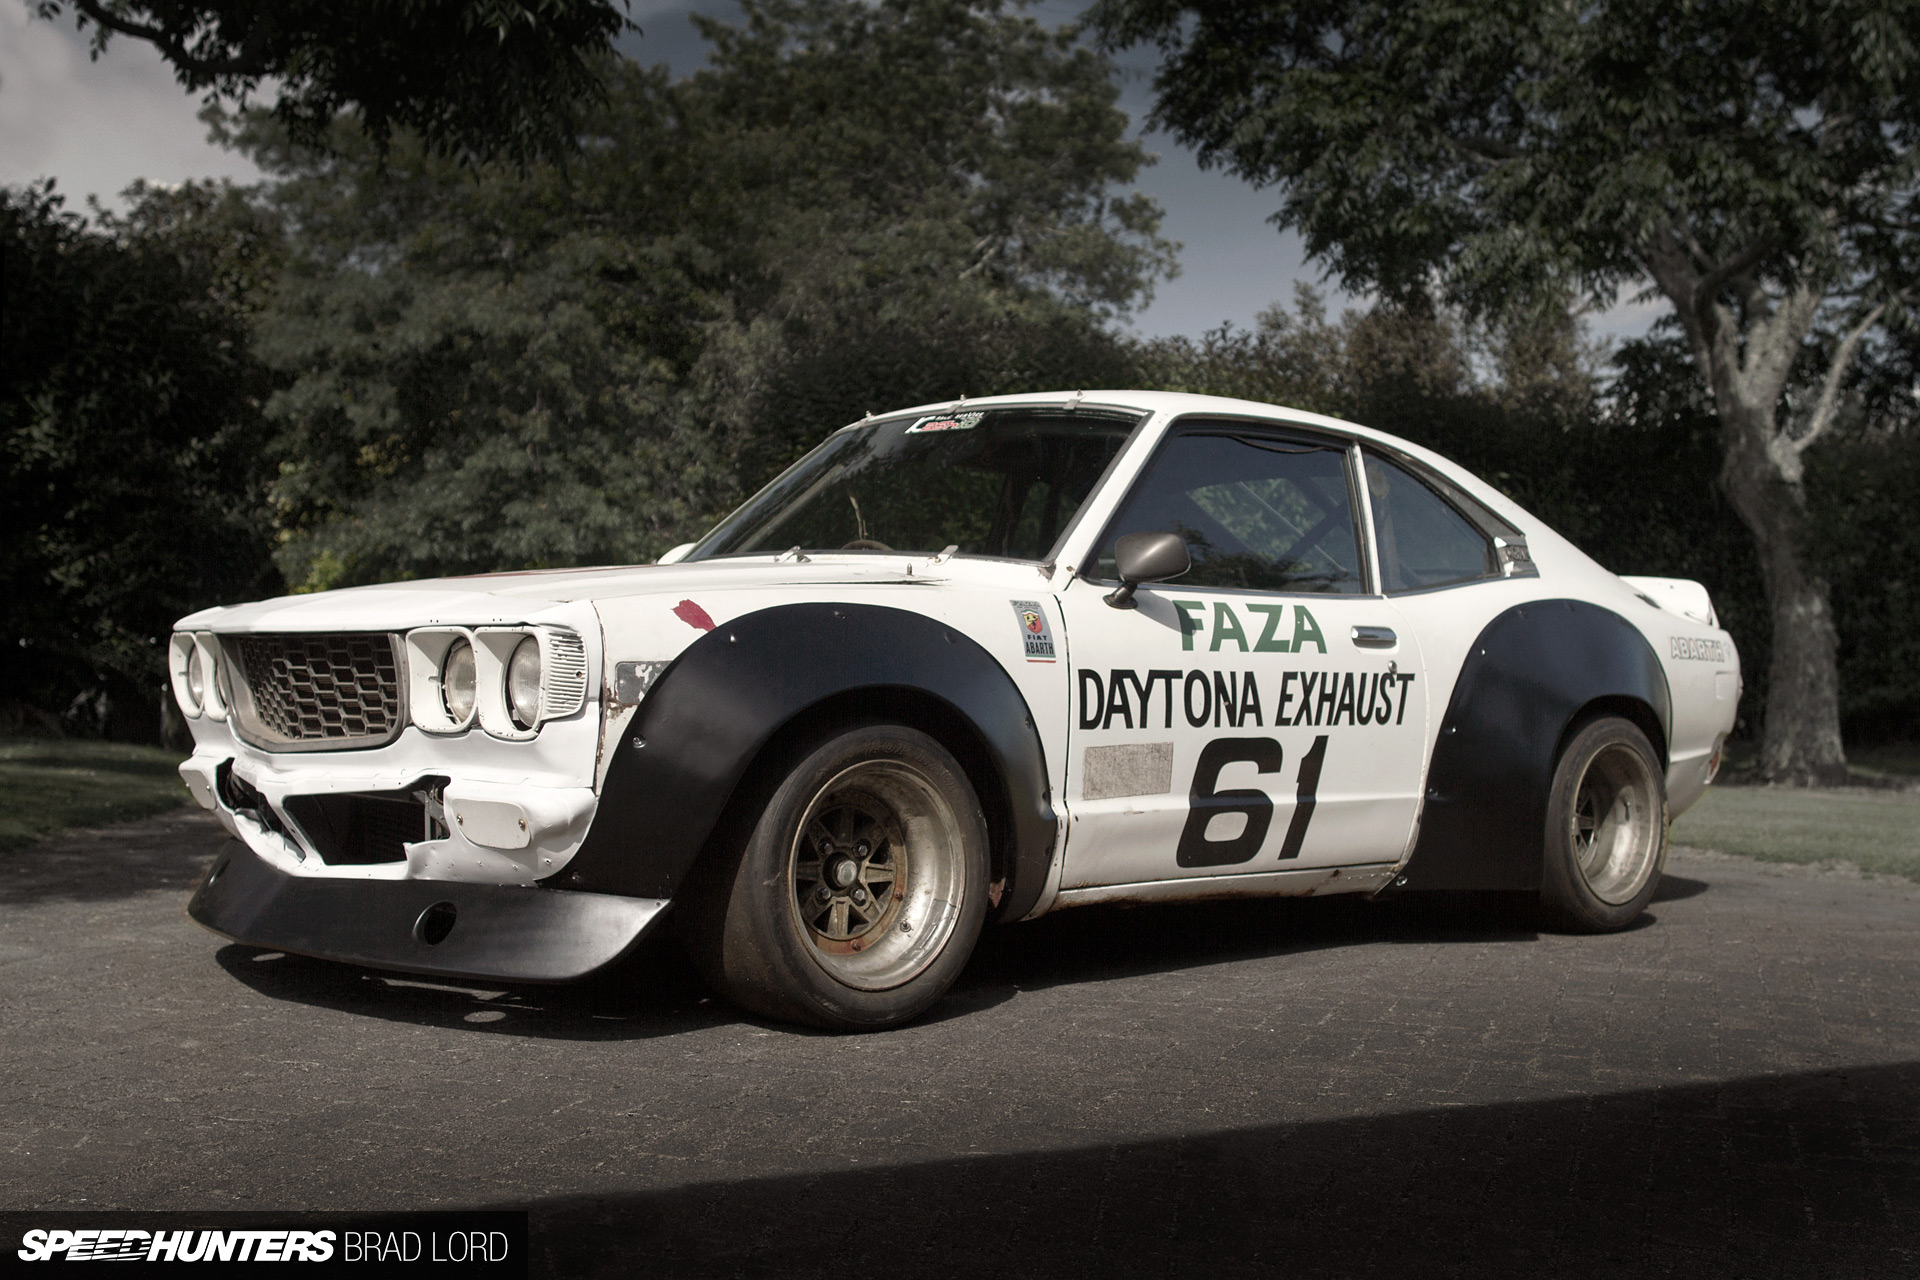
<point>963,662</point>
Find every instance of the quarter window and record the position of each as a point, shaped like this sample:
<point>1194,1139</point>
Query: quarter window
<point>1259,511</point>
<point>1424,541</point>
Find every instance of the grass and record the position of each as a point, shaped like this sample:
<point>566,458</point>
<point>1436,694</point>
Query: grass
<point>1876,831</point>
<point>48,786</point>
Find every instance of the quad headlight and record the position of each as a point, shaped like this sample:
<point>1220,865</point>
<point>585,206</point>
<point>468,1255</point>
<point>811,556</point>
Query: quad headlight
<point>459,682</point>
<point>506,680</point>
<point>523,683</point>
<point>198,671</point>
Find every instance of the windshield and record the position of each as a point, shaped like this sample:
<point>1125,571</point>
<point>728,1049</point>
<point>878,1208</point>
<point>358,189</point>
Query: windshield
<point>992,482</point>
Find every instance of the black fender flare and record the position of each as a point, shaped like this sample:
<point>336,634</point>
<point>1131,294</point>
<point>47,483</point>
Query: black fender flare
<point>1530,672</point>
<point>710,714</point>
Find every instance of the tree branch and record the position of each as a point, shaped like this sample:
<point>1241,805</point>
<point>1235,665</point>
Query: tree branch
<point>249,64</point>
<point>1739,264</point>
<point>1827,407</point>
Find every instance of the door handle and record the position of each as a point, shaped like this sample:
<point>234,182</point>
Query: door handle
<point>1375,637</point>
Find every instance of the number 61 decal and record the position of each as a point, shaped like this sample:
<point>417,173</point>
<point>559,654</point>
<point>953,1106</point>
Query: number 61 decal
<point>1205,803</point>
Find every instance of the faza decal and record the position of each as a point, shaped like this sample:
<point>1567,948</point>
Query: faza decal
<point>1035,633</point>
<point>1232,698</point>
<point>1226,628</point>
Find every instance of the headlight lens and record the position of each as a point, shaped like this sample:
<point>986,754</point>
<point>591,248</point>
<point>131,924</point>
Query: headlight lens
<point>458,681</point>
<point>196,681</point>
<point>523,683</point>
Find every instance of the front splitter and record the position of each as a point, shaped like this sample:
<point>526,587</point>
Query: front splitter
<point>496,932</point>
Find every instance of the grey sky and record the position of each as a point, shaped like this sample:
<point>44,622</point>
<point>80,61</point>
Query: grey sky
<point>97,126</point>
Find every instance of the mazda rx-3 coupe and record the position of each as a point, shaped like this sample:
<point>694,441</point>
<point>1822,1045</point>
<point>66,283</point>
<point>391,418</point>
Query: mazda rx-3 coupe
<point>968,662</point>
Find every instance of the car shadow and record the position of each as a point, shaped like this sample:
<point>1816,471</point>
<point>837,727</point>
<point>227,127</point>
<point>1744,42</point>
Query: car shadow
<point>1781,1175</point>
<point>656,991</point>
<point>1678,888</point>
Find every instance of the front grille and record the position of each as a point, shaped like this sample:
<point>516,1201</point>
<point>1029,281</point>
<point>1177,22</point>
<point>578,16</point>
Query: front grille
<point>320,690</point>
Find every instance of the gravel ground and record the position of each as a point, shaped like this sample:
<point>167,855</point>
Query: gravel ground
<point>1402,1088</point>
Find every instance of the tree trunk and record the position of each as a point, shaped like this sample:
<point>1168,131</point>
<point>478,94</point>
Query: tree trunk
<point>1800,743</point>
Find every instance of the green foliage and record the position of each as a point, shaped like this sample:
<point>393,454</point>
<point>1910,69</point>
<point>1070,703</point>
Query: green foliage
<point>857,206</point>
<point>1528,149</point>
<point>1862,492</point>
<point>131,432</point>
<point>475,78</point>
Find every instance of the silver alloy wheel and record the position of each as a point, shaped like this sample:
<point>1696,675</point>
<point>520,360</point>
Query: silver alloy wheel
<point>875,876</point>
<point>1615,824</point>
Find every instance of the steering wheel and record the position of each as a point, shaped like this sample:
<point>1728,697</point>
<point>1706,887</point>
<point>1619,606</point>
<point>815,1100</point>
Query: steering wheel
<point>866,544</point>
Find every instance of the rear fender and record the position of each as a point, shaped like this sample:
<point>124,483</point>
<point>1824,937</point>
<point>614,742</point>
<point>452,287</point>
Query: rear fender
<point>1529,676</point>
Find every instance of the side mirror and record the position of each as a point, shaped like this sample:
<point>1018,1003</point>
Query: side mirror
<point>1146,557</point>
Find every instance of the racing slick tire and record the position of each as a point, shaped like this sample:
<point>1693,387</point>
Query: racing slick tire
<point>857,893</point>
<point>1606,829</point>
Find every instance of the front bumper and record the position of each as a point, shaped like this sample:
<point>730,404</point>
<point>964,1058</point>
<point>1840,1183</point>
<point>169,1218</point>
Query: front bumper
<point>492,932</point>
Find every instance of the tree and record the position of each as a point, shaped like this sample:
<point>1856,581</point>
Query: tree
<point>1750,161</point>
<point>857,205</point>
<point>478,78</point>
<point>132,441</point>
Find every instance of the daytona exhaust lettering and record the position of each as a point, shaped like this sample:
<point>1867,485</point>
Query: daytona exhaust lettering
<point>1231,699</point>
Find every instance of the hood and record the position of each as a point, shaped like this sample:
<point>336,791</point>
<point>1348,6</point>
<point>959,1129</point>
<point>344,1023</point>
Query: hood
<point>511,598</point>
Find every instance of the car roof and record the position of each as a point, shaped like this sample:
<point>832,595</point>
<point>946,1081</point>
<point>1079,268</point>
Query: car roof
<point>1169,404</point>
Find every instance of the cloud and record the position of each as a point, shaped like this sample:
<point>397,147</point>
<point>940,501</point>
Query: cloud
<point>96,126</point>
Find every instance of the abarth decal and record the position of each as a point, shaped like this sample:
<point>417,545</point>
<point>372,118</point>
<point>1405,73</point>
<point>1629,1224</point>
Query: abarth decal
<point>1696,649</point>
<point>1035,633</point>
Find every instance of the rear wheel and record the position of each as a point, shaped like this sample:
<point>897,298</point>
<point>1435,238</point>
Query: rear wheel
<point>1606,829</point>
<point>856,896</point>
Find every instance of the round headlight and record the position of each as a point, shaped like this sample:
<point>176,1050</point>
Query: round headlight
<point>222,679</point>
<point>196,680</point>
<point>458,680</point>
<point>523,683</point>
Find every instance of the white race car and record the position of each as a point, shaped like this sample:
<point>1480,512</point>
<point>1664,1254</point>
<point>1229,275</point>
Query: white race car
<point>964,662</point>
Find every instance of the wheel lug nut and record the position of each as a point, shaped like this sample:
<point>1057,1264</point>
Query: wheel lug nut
<point>822,892</point>
<point>859,895</point>
<point>862,849</point>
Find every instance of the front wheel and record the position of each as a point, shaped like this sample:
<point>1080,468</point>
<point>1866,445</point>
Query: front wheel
<point>1606,829</point>
<point>857,896</point>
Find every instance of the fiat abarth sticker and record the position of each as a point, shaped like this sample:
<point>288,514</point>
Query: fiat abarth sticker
<point>1034,631</point>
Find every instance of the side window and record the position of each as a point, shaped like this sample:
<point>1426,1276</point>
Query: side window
<point>1257,511</point>
<point>1424,542</point>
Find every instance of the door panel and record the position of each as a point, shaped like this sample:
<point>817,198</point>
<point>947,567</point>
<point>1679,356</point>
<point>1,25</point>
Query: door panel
<point>1190,760</point>
<point>1261,713</point>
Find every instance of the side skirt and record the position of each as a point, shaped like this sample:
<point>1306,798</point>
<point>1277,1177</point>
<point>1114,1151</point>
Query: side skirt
<point>1307,882</point>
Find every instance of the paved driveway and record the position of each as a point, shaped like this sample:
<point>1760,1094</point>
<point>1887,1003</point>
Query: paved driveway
<point>1334,1088</point>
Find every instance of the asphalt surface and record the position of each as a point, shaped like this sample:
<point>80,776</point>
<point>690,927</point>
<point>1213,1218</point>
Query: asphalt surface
<point>1341,1088</point>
